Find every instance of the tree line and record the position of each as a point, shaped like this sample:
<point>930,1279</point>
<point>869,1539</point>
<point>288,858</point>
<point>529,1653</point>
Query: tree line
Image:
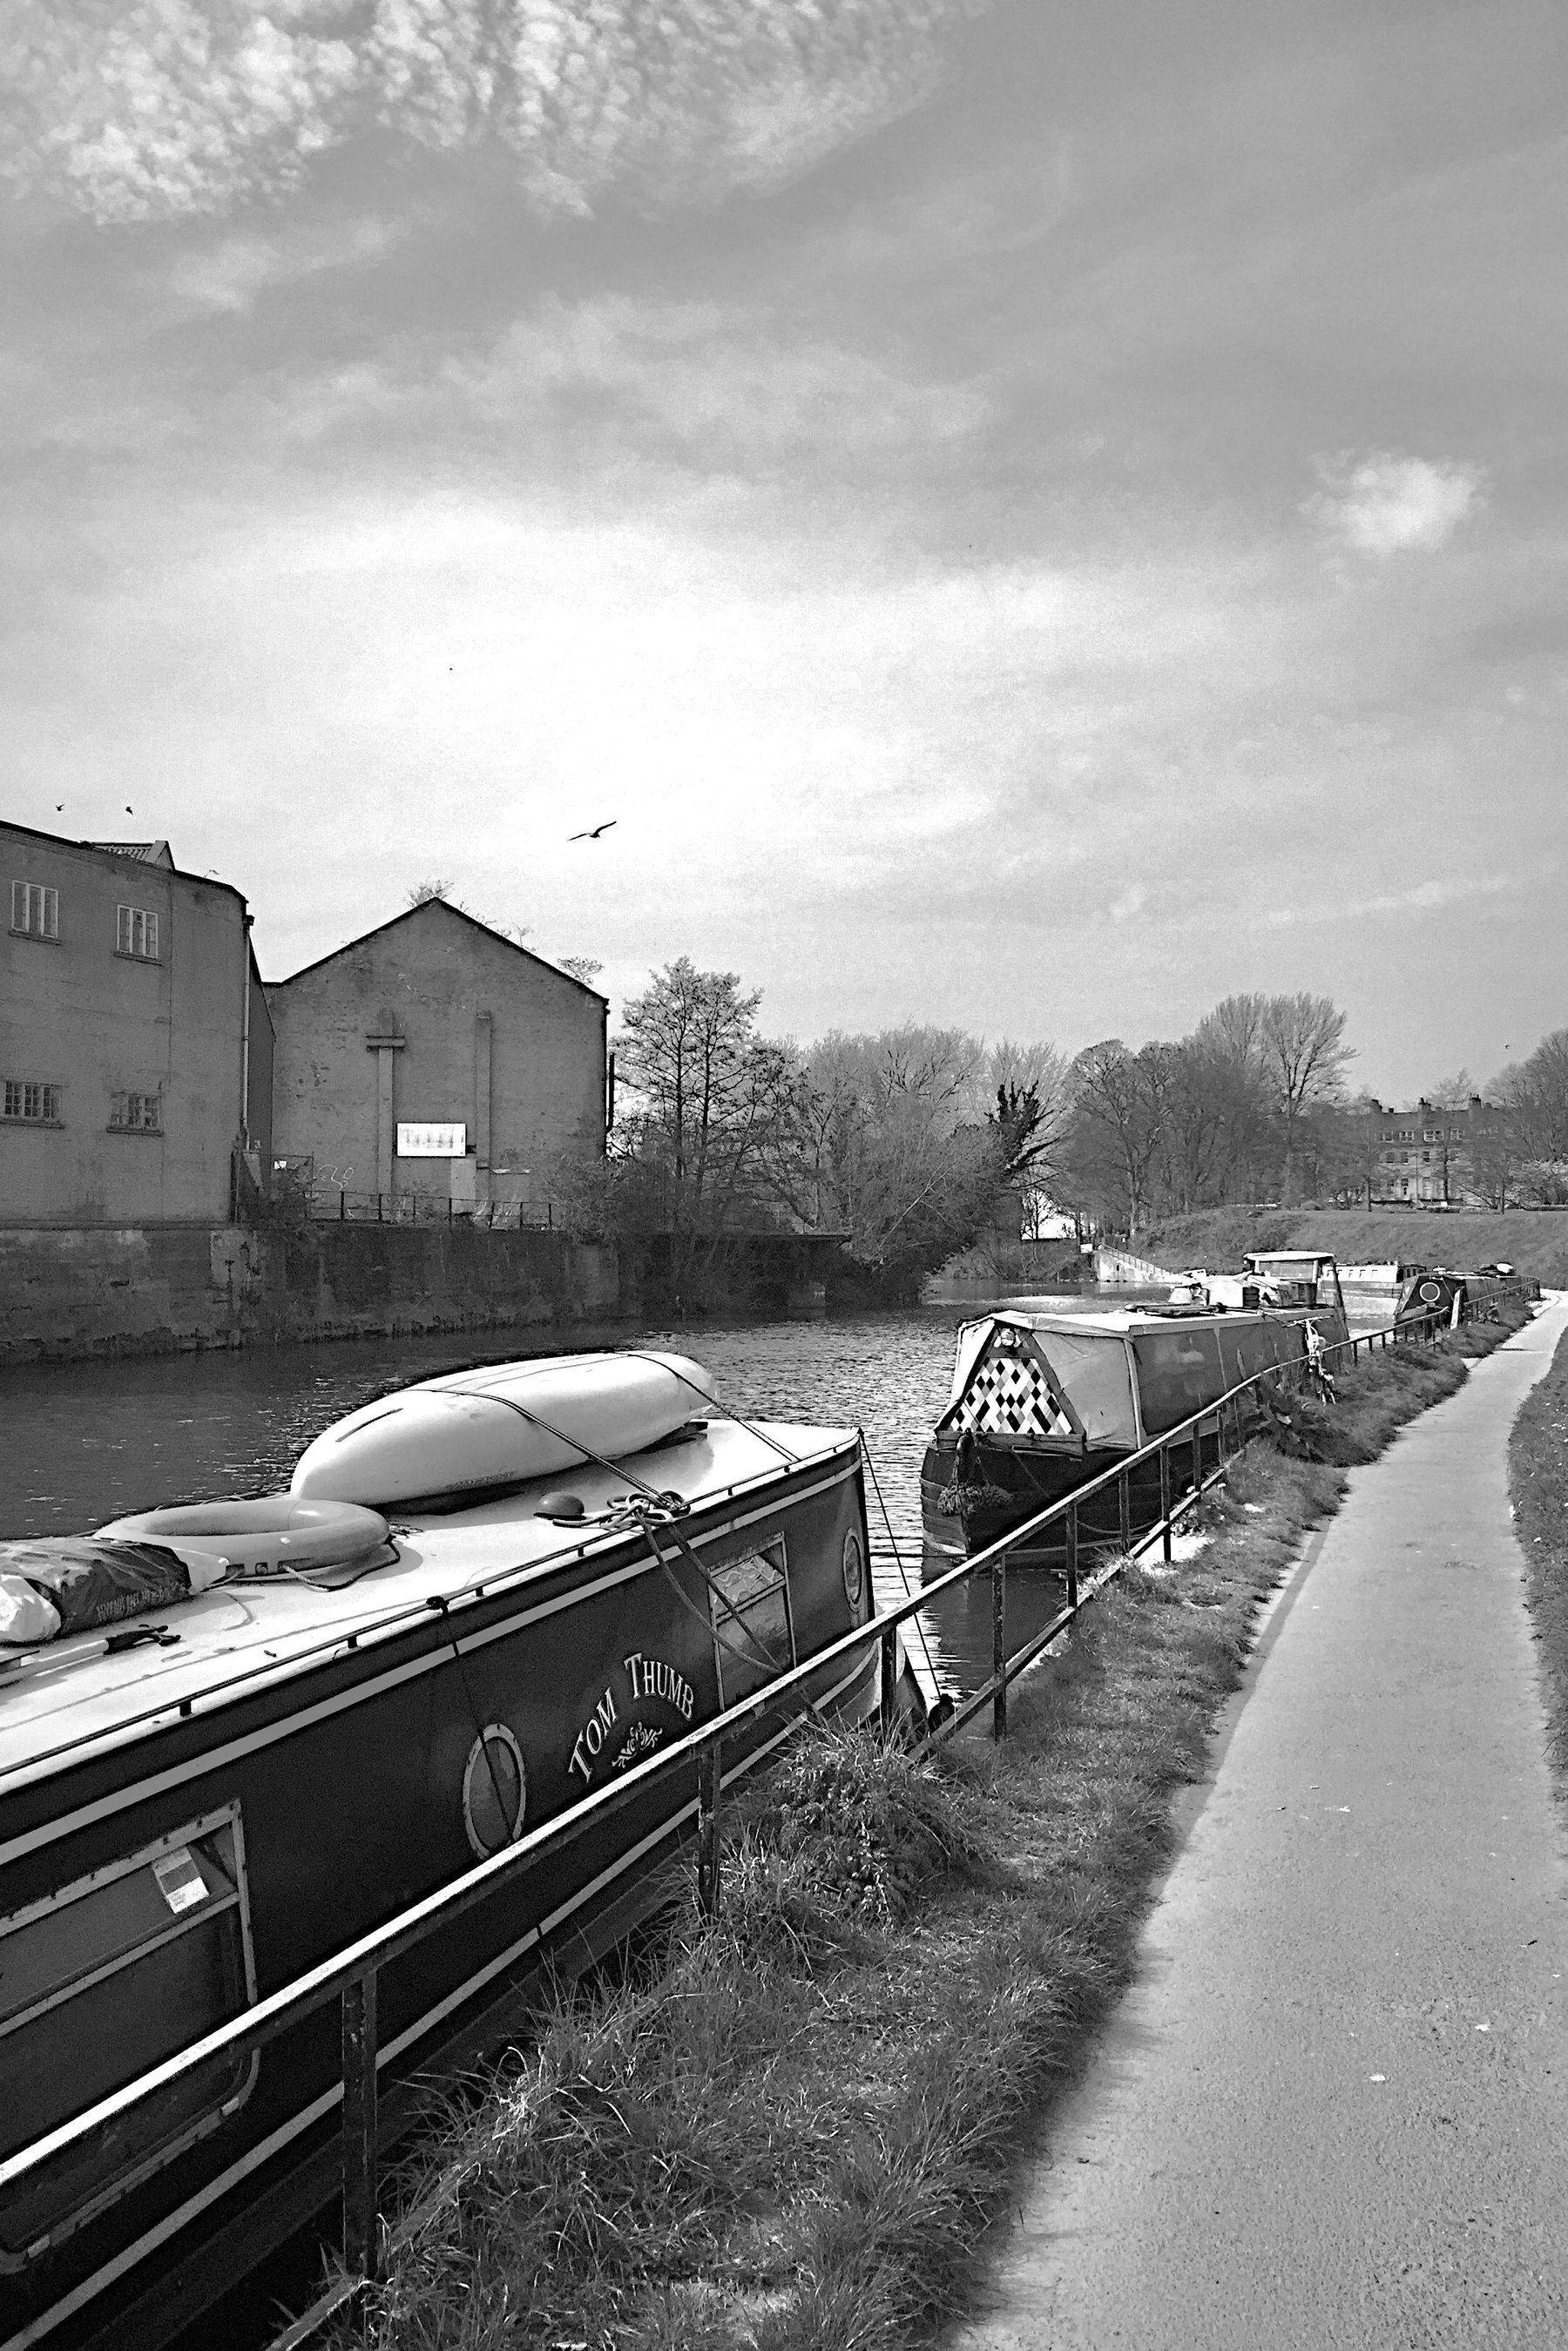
<point>900,1142</point>
<point>905,1141</point>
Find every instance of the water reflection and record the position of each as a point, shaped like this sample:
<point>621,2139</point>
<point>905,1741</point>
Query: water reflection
<point>88,1442</point>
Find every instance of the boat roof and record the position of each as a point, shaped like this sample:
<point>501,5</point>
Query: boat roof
<point>68,1695</point>
<point>1114,1322</point>
<point>1315,1257</point>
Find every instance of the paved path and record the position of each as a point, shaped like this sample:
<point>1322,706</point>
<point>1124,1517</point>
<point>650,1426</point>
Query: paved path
<point>1334,2110</point>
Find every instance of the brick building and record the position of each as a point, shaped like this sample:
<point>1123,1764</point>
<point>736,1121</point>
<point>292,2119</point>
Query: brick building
<point>1429,1154</point>
<point>135,1047</point>
<point>432,1062</point>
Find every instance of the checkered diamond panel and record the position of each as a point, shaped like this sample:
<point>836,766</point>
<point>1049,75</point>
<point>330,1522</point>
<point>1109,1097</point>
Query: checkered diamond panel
<point>1011,1396</point>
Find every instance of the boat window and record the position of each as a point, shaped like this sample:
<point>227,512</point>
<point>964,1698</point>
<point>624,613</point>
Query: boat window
<point>1095,1382</point>
<point>100,1981</point>
<point>754,1634</point>
<point>1178,1373</point>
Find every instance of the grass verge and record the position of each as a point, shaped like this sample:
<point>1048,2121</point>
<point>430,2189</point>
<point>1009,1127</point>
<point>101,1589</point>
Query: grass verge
<point>1537,1481</point>
<point>794,2134</point>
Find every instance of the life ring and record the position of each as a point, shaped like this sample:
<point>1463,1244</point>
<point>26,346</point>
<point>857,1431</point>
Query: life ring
<point>266,1538</point>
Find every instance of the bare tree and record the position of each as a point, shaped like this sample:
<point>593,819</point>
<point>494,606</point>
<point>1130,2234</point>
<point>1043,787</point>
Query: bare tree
<point>1118,1101</point>
<point>1234,1029</point>
<point>711,1100</point>
<point>1535,1096</point>
<point>890,1151</point>
<point>1304,1055</point>
<point>1227,1068</point>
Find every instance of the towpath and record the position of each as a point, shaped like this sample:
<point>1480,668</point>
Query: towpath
<point>1333,2109</point>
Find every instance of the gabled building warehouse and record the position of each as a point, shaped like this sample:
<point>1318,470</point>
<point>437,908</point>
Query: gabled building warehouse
<point>432,1062</point>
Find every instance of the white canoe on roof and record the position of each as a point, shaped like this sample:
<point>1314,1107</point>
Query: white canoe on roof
<point>502,1422</point>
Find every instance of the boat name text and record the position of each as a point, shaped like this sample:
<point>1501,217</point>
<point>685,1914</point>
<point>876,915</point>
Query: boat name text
<point>648,1678</point>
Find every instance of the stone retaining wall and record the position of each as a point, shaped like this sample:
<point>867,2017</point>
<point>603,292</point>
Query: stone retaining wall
<point>66,1293</point>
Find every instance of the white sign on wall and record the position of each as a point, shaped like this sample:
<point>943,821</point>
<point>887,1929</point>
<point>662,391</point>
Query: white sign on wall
<point>432,1142</point>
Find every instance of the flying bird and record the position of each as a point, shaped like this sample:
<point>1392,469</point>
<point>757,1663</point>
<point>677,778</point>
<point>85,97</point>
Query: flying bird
<point>596,832</point>
<point>129,810</point>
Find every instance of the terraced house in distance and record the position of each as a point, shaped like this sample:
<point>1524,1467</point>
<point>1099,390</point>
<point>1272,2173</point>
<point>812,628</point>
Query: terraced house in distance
<point>135,1043</point>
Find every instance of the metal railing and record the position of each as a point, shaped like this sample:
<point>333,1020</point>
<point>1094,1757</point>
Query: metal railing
<point>333,1203</point>
<point>349,1976</point>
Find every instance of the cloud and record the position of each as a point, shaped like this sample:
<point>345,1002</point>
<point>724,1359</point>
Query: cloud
<point>1388,504</point>
<point>228,275</point>
<point>1421,898</point>
<point>171,107</point>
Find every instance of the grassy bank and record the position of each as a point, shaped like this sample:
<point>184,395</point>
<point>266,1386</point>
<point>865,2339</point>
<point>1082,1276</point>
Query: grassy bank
<point>792,2135</point>
<point>1534,1239</point>
<point>1537,1481</point>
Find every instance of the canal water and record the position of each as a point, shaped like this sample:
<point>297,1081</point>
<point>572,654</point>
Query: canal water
<point>86,1442</point>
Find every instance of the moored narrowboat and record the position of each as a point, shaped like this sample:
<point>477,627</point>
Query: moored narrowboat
<point>1439,1295</point>
<point>195,1810</point>
<point>1043,1404</point>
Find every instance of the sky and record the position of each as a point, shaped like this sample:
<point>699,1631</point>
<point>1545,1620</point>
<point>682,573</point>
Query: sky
<point>1026,516</point>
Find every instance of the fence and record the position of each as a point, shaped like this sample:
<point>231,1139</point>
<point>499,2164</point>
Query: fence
<point>349,1976</point>
<point>331,1204</point>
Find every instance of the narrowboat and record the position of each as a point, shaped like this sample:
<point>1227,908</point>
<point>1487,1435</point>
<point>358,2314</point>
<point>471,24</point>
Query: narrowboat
<point>482,1599</point>
<point>1043,1404</point>
<point>1439,1294</point>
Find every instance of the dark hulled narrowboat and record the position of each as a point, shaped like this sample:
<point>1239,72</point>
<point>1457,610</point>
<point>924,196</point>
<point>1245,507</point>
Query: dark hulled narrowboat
<point>195,1810</point>
<point>1439,1295</point>
<point>1043,1404</point>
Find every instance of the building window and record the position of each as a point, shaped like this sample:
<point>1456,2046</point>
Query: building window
<point>137,933</point>
<point>30,1099</point>
<point>35,910</point>
<point>136,1115</point>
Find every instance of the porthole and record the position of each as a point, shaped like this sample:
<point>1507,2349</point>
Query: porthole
<point>854,1569</point>
<point>494,1791</point>
<point>1430,1294</point>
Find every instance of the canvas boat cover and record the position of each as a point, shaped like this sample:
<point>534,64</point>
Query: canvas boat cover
<point>1082,1365</point>
<point>1114,1379</point>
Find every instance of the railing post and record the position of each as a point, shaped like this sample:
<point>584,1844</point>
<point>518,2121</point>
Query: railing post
<point>1197,1472</point>
<point>889,1647</point>
<point>342,1207</point>
<point>362,2223</point>
<point>710,1780</point>
<point>1165,1501</point>
<point>1072,1556</point>
<point>1124,1509</point>
<point>999,1644</point>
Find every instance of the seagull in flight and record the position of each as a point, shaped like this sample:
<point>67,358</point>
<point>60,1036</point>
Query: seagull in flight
<point>596,832</point>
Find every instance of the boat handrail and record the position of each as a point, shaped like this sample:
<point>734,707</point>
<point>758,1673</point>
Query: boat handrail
<point>349,1974</point>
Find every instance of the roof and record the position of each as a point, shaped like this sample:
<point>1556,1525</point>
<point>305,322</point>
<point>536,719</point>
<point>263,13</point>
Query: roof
<point>458,913</point>
<point>152,852</point>
<point>148,853</point>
